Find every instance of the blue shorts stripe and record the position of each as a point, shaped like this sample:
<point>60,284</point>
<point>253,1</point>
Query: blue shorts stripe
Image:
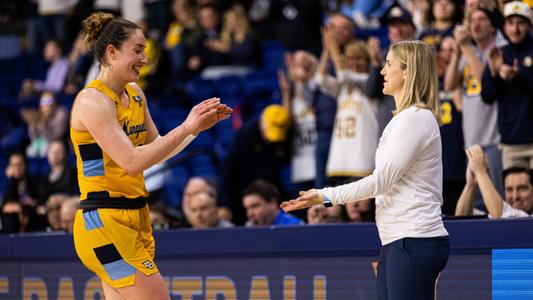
<point>93,168</point>
<point>119,269</point>
<point>92,220</point>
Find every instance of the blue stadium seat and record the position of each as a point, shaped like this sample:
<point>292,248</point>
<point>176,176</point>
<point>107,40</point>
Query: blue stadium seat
<point>169,118</point>
<point>38,166</point>
<point>204,140</point>
<point>203,165</point>
<point>228,87</point>
<point>273,54</point>
<point>174,186</point>
<point>200,89</point>
<point>261,84</point>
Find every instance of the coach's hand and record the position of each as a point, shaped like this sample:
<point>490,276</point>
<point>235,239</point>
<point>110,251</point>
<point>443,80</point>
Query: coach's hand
<point>306,199</point>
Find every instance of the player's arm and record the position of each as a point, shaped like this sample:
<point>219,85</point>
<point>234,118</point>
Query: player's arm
<point>153,133</point>
<point>94,113</point>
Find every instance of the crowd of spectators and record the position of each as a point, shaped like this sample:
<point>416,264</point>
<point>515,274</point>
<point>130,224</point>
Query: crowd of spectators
<point>322,117</point>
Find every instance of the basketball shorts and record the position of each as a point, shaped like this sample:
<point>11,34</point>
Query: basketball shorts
<point>114,243</point>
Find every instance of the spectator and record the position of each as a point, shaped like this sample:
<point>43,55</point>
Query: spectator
<point>356,125</point>
<point>261,201</point>
<point>400,27</point>
<point>342,28</point>
<point>442,17</point>
<point>45,125</point>
<point>13,218</point>
<point>200,56</point>
<point>67,213</point>
<point>180,34</point>
<point>49,24</point>
<point>80,60</point>
<point>197,185</point>
<point>21,186</point>
<point>261,150</point>
<point>480,120</point>
<point>203,212</point>
<point>451,132</point>
<point>508,81</point>
<point>237,41</point>
<point>61,178</point>
<point>361,211</point>
<point>158,216</point>
<point>19,217</point>
<point>343,32</point>
<point>55,75</point>
<point>53,211</point>
<point>518,189</point>
<point>296,23</point>
<point>319,214</point>
<point>297,97</point>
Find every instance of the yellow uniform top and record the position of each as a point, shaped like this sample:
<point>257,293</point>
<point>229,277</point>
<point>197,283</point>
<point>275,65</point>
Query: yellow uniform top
<point>99,176</point>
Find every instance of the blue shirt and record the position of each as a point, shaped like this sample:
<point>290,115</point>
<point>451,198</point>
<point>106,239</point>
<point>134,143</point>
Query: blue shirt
<point>287,219</point>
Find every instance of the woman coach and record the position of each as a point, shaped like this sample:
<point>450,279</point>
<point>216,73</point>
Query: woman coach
<point>407,180</point>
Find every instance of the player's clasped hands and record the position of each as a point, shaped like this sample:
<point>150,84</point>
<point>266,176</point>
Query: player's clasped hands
<point>206,114</point>
<point>306,199</point>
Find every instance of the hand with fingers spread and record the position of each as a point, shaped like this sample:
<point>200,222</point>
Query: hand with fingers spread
<point>206,114</point>
<point>306,199</point>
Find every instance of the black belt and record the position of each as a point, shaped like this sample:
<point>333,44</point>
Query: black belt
<point>118,202</point>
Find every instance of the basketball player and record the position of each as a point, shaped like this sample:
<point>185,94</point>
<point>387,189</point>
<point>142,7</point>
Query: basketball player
<point>115,139</point>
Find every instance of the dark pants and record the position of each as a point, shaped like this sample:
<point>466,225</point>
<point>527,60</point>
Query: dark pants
<point>322,152</point>
<point>408,268</point>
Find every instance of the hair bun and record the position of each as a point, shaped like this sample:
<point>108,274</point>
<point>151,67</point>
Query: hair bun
<point>93,26</point>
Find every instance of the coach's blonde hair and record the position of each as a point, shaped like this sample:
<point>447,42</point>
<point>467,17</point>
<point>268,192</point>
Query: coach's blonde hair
<point>421,83</point>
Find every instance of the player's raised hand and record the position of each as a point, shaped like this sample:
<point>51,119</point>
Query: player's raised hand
<point>306,199</point>
<point>206,114</point>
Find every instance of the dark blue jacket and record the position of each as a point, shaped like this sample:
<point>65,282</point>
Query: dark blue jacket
<point>515,97</point>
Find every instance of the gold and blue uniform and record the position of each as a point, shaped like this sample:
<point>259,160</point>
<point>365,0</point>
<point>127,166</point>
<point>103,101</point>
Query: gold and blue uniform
<point>112,230</point>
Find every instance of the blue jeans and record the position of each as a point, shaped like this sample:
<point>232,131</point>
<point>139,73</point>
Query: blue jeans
<point>408,268</point>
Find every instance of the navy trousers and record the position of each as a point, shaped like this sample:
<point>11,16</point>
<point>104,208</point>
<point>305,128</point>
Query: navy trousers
<point>408,268</point>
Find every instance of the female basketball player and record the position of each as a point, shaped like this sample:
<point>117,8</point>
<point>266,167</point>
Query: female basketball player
<point>115,139</point>
<point>407,180</point>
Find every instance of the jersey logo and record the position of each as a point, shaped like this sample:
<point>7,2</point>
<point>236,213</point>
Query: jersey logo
<point>148,264</point>
<point>138,100</point>
<point>134,129</point>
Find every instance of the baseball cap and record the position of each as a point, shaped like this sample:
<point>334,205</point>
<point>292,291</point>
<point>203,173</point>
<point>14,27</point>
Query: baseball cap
<point>275,121</point>
<point>397,12</point>
<point>517,8</point>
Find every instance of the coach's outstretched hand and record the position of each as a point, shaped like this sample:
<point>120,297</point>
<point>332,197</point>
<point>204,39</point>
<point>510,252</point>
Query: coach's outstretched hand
<point>306,199</point>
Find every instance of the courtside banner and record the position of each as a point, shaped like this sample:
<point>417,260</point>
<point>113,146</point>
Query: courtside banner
<point>278,263</point>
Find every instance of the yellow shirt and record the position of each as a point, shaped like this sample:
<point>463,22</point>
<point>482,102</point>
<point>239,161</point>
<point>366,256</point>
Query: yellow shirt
<point>173,36</point>
<point>98,175</point>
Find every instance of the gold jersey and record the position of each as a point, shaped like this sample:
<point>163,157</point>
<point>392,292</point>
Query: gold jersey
<point>99,176</point>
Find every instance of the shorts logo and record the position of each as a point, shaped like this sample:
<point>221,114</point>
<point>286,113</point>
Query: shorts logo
<point>148,264</point>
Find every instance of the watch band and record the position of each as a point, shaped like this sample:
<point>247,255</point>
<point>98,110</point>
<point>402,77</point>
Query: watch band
<point>326,201</point>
